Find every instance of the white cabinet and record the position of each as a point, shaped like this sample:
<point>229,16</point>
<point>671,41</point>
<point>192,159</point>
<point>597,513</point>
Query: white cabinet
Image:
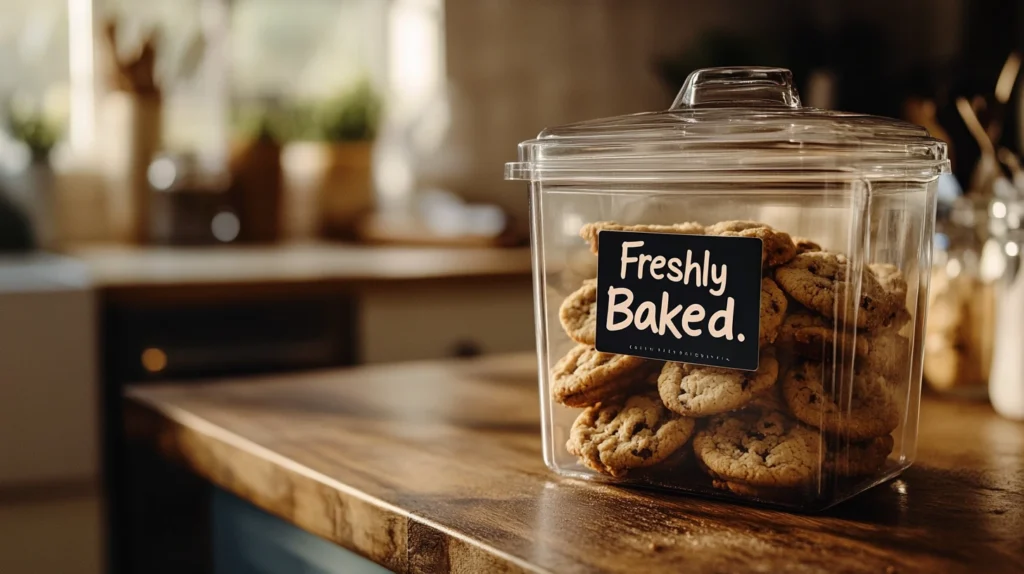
<point>438,320</point>
<point>49,418</point>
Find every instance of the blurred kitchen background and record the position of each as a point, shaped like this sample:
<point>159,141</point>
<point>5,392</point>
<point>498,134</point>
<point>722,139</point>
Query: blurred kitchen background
<point>194,188</point>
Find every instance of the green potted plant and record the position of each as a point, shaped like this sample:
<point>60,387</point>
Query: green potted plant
<point>33,185</point>
<point>331,158</point>
<point>32,129</point>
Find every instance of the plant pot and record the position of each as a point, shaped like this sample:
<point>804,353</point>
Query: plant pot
<point>330,187</point>
<point>32,190</point>
<point>257,190</point>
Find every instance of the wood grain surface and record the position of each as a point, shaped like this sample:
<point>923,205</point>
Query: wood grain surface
<point>436,467</point>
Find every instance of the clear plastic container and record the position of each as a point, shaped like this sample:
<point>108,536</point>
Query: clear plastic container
<point>735,203</point>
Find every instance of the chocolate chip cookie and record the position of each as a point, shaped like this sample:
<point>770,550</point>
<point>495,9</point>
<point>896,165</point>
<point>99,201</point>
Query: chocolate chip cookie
<point>586,376</point>
<point>699,391</point>
<point>767,493</point>
<point>777,246</point>
<point>888,355</point>
<point>769,400</point>
<point>632,432</point>
<point>773,309</point>
<point>805,245</point>
<point>818,280</point>
<point>578,313</point>
<point>591,231</point>
<point>758,449</point>
<point>898,319</point>
<point>868,410</point>
<point>891,280</point>
<point>860,458</point>
<point>809,335</point>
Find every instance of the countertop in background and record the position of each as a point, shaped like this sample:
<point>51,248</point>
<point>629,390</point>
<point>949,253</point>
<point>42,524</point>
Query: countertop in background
<point>116,267</point>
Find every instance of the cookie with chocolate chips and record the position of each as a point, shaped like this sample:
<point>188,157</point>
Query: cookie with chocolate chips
<point>891,280</point>
<point>819,281</point>
<point>586,376</point>
<point>889,355</point>
<point>860,458</point>
<point>758,448</point>
<point>698,391</point>
<point>773,309</point>
<point>632,432</point>
<point>812,336</point>
<point>777,246</point>
<point>766,493</point>
<point>578,313</point>
<point>868,410</point>
<point>805,245</point>
<point>591,231</point>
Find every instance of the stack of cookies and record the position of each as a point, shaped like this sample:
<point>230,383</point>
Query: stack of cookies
<point>766,433</point>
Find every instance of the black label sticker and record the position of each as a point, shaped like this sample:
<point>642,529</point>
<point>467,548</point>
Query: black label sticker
<point>684,298</point>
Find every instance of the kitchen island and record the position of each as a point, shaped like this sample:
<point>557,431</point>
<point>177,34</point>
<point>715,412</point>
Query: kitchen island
<point>185,313</point>
<point>437,467</point>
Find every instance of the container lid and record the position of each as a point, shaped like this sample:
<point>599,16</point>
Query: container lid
<point>738,123</point>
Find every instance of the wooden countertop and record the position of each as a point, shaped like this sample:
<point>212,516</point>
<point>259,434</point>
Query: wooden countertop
<point>436,467</point>
<point>125,267</point>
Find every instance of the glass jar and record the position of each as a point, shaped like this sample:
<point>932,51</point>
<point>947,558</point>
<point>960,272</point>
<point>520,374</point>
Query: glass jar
<point>753,326</point>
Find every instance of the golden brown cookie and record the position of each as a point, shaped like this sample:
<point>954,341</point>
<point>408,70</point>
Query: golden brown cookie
<point>632,432</point>
<point>677,467</point>
<point>869,410</point>
<point>699,391</point>
<point>897,319</point>
<point>586,376</point>
<point>809,335</point>
<point>892,281</point>
<point>819,281</point>
<point>765,493</point>
<point>769,400</point>
<point>591,231</point>
<point>860,458</point>
<point>578,313</point>
<point>804,245</point>
<point>773,309</point>
<point>888,355</point>
<point>777,247</point>
<point>759,449</point>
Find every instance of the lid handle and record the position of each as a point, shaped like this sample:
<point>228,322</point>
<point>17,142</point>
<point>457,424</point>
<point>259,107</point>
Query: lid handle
<point>736,87</point>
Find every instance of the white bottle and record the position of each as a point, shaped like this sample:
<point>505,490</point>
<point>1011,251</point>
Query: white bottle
<point>1006,381</point>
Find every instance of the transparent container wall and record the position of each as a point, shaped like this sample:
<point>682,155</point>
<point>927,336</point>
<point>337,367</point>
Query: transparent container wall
<point>885,227</point>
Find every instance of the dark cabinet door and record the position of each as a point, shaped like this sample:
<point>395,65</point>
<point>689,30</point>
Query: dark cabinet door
<point>159,516</point>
